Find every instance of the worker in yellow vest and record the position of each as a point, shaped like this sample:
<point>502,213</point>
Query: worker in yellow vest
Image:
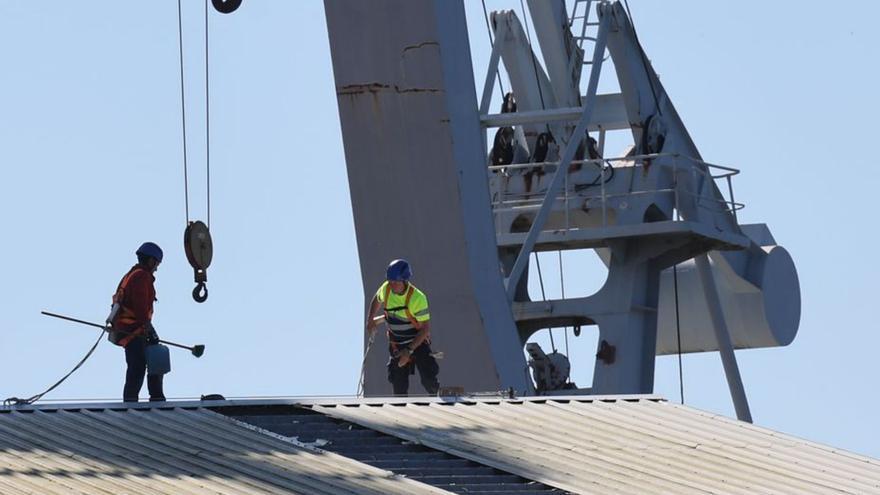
<point>409,329</point>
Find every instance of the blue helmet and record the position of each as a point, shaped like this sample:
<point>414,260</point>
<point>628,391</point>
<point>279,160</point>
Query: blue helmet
<point>150,249</point>
<point>399,270</point>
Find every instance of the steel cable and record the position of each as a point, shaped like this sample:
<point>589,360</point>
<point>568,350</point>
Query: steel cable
<point>544,297</point>
<point>183,108</point>
<point>183,114</point>
<point>30,400</point>
<point>562,289</point>
<point>207,120</point>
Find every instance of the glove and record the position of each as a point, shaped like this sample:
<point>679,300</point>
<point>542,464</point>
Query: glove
<point>150,334</point>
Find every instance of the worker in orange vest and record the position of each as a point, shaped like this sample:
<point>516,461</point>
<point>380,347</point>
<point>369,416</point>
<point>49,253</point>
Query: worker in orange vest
<point>409,329</point>
<point>131,322</point>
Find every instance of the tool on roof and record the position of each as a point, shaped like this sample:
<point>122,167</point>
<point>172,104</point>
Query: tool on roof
<point>196,350</point>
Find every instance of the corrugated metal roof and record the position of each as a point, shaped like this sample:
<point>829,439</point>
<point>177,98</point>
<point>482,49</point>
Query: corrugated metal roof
<point>626,446</point>
<point>170,451</point>
<point>388,452</point>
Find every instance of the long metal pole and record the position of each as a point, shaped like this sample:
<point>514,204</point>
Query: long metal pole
<point>192,349</point>
<point>562,170</point>
<point>725,345</point>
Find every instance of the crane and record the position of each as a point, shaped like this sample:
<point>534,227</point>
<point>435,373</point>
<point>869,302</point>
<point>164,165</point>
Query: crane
<point>469,215</point>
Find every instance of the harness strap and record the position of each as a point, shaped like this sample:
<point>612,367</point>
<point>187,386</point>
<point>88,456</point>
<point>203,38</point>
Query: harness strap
<point>120,289</point>
<point>409,316</point>
<point>125,314</point>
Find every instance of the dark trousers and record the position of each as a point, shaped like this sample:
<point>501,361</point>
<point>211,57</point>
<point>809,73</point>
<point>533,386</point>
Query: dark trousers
<point>136,359</point>
<point>423,361</point>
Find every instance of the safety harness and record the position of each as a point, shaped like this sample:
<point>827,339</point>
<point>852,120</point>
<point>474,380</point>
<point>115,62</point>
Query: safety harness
<point>409,316</point>
<point>125,317</point>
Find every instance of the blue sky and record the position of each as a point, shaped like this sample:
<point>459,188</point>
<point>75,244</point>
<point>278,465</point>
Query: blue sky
<point>90,154</point>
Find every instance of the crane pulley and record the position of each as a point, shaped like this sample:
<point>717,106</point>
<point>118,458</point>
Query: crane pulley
<point>199,252</point>
<point>197,243</point>
<point>226,6</point>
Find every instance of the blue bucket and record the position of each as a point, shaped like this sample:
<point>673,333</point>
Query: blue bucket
<point>158,359</point>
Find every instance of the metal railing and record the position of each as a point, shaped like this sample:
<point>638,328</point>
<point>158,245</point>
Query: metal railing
<point>524,201</point>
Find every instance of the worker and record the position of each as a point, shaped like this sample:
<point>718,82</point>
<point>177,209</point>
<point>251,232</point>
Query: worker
<point>409,329</point>
<point>131,322</point>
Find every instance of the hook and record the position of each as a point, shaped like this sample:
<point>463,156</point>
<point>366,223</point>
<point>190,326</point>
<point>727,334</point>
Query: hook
<point>199,251</point>
<point>200,293</point>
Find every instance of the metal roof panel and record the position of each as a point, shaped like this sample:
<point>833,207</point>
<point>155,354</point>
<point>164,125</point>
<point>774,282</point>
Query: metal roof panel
<point>636,445</point>
<point>630,444</point>
<point>170,451</point>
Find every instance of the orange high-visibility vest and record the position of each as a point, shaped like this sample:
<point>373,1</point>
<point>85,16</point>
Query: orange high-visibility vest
<point>125,326</point>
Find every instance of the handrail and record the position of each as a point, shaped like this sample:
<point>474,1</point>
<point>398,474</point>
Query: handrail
<point>730,205</point>
<point>594,161</point>
<point>632,158</point>
<point>527,204</point>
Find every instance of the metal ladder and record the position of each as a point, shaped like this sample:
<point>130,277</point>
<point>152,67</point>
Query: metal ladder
<point>585,25</point>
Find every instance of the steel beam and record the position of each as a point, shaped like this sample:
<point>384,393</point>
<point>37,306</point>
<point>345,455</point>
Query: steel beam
<point>725,346</point>
<point>489,84</point>
<point>593,237</point>
<point>558,178</point>
<point>609,113</point>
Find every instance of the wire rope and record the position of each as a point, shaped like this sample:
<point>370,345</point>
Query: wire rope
<point>30,400</point>
<point>207,119</point>
<point>183,107</point>
<point>183,113</point>
<point>562,290</point>
<point>544,297</point>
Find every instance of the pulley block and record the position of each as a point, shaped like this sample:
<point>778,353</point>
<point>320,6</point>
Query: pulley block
<point>226,6</point>
<point>653,137</point>
<point>199,252</point>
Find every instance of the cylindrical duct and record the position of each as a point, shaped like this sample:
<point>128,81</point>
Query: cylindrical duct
<point>765,316</point>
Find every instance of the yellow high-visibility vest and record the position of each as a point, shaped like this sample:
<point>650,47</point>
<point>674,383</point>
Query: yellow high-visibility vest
<point>404,313</point>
